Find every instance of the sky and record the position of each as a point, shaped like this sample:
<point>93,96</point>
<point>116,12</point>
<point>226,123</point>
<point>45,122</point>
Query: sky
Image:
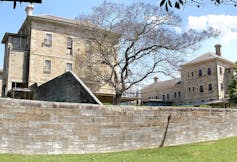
<point>223,18</point>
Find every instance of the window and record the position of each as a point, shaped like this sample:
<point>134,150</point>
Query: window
<point>68,67</point>
<point>210,87</point>
<point>156,97</point>
<point>201,89</point>
<point>222,86</point>
<point>163,97</point>
<point>179,94</point>
<point>200,73</point>
<point>220,69</point>
<point>192,74</point>
<point>47,66</point>
<point>193,89</point>
<point>16,43</point>
<point>168,96</point>
<point>69,46</point>
<point>189,89</point>
<point>228,70</point>
<point>175,95</point>
<point>209,71</point>
<point>48,39</point>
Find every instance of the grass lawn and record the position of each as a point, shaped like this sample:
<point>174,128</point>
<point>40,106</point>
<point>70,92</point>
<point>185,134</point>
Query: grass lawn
<point>213,151</point>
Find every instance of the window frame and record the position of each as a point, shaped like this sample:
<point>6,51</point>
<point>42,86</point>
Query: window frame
<point>47,69</point>
<point>210,88</point>
<point>48,43</point>
<point>175,95</point>
<point>222,86</point>
<point>179,94</point>
<point>220,70</point>
<point>68,63</point>
<point>200,73</point>
<point>209,72</point>
<point>168,96</point>
<point>201,89</point>
<point>70,47</point>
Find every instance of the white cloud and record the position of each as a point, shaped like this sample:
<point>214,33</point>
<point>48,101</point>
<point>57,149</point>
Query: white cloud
<point>224,23</point>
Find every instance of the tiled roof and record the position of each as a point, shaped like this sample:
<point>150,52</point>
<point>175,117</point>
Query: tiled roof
<point>205,57</point>
<point>163,85</point>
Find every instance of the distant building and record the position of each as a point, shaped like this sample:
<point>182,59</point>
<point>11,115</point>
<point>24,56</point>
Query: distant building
<point>204,80</point>
<point>46,47</point>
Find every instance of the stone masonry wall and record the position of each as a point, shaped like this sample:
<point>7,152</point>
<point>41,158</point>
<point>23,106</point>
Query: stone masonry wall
<point>35,127</point>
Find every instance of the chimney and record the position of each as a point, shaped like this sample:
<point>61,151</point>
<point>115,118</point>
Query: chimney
<point>218,49</point>
<point>29,9</point>
<point>156,79</point>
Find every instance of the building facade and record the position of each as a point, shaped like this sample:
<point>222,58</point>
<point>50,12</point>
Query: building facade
<point>46,47</point>
<point>203,80</point>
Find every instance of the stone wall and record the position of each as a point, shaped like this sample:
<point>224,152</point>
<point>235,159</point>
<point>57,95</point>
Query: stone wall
<point>34,127</point>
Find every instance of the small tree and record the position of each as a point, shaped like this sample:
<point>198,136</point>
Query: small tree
<point>233,87</point>
<point>145,42</point>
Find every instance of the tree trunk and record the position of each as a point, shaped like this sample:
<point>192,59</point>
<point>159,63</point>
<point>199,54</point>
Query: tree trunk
<point>117,98</point>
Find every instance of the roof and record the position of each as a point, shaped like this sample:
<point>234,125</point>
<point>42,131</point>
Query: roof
<point>60,20</point>
<point>162,85</point>
<point>6,35</point>
<point>207,57</point>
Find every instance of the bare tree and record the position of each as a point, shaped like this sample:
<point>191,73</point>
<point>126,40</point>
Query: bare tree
<point>179,3</point>
<point>144,42</point>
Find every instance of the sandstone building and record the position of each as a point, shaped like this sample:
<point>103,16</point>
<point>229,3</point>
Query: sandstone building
<point>203,80</point>
<point>47,46</point>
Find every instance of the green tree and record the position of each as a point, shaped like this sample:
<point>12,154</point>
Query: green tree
<point>233,87</point>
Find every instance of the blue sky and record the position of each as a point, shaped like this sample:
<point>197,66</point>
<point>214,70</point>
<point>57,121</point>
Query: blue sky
<point>223,18</point>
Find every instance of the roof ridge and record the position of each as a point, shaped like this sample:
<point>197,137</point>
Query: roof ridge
<point>204,57</point>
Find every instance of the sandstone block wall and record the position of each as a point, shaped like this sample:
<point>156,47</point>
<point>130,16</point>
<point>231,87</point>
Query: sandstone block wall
<point>34,127</point>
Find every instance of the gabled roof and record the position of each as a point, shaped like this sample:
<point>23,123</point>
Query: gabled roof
<point>207,57</point>
<point>162,85</point>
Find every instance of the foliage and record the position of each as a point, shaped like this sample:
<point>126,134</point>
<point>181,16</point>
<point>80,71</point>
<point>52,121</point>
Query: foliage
<point>146,42</point>
<point>179,3</point>
<point>218,151</point>
<point>233,87</point>
<point>14,1</point>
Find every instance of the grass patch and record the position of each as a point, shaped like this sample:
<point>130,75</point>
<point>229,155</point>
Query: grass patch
<point>213,151</point>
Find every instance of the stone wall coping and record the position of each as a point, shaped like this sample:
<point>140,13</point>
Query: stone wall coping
<point>119,108</point>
